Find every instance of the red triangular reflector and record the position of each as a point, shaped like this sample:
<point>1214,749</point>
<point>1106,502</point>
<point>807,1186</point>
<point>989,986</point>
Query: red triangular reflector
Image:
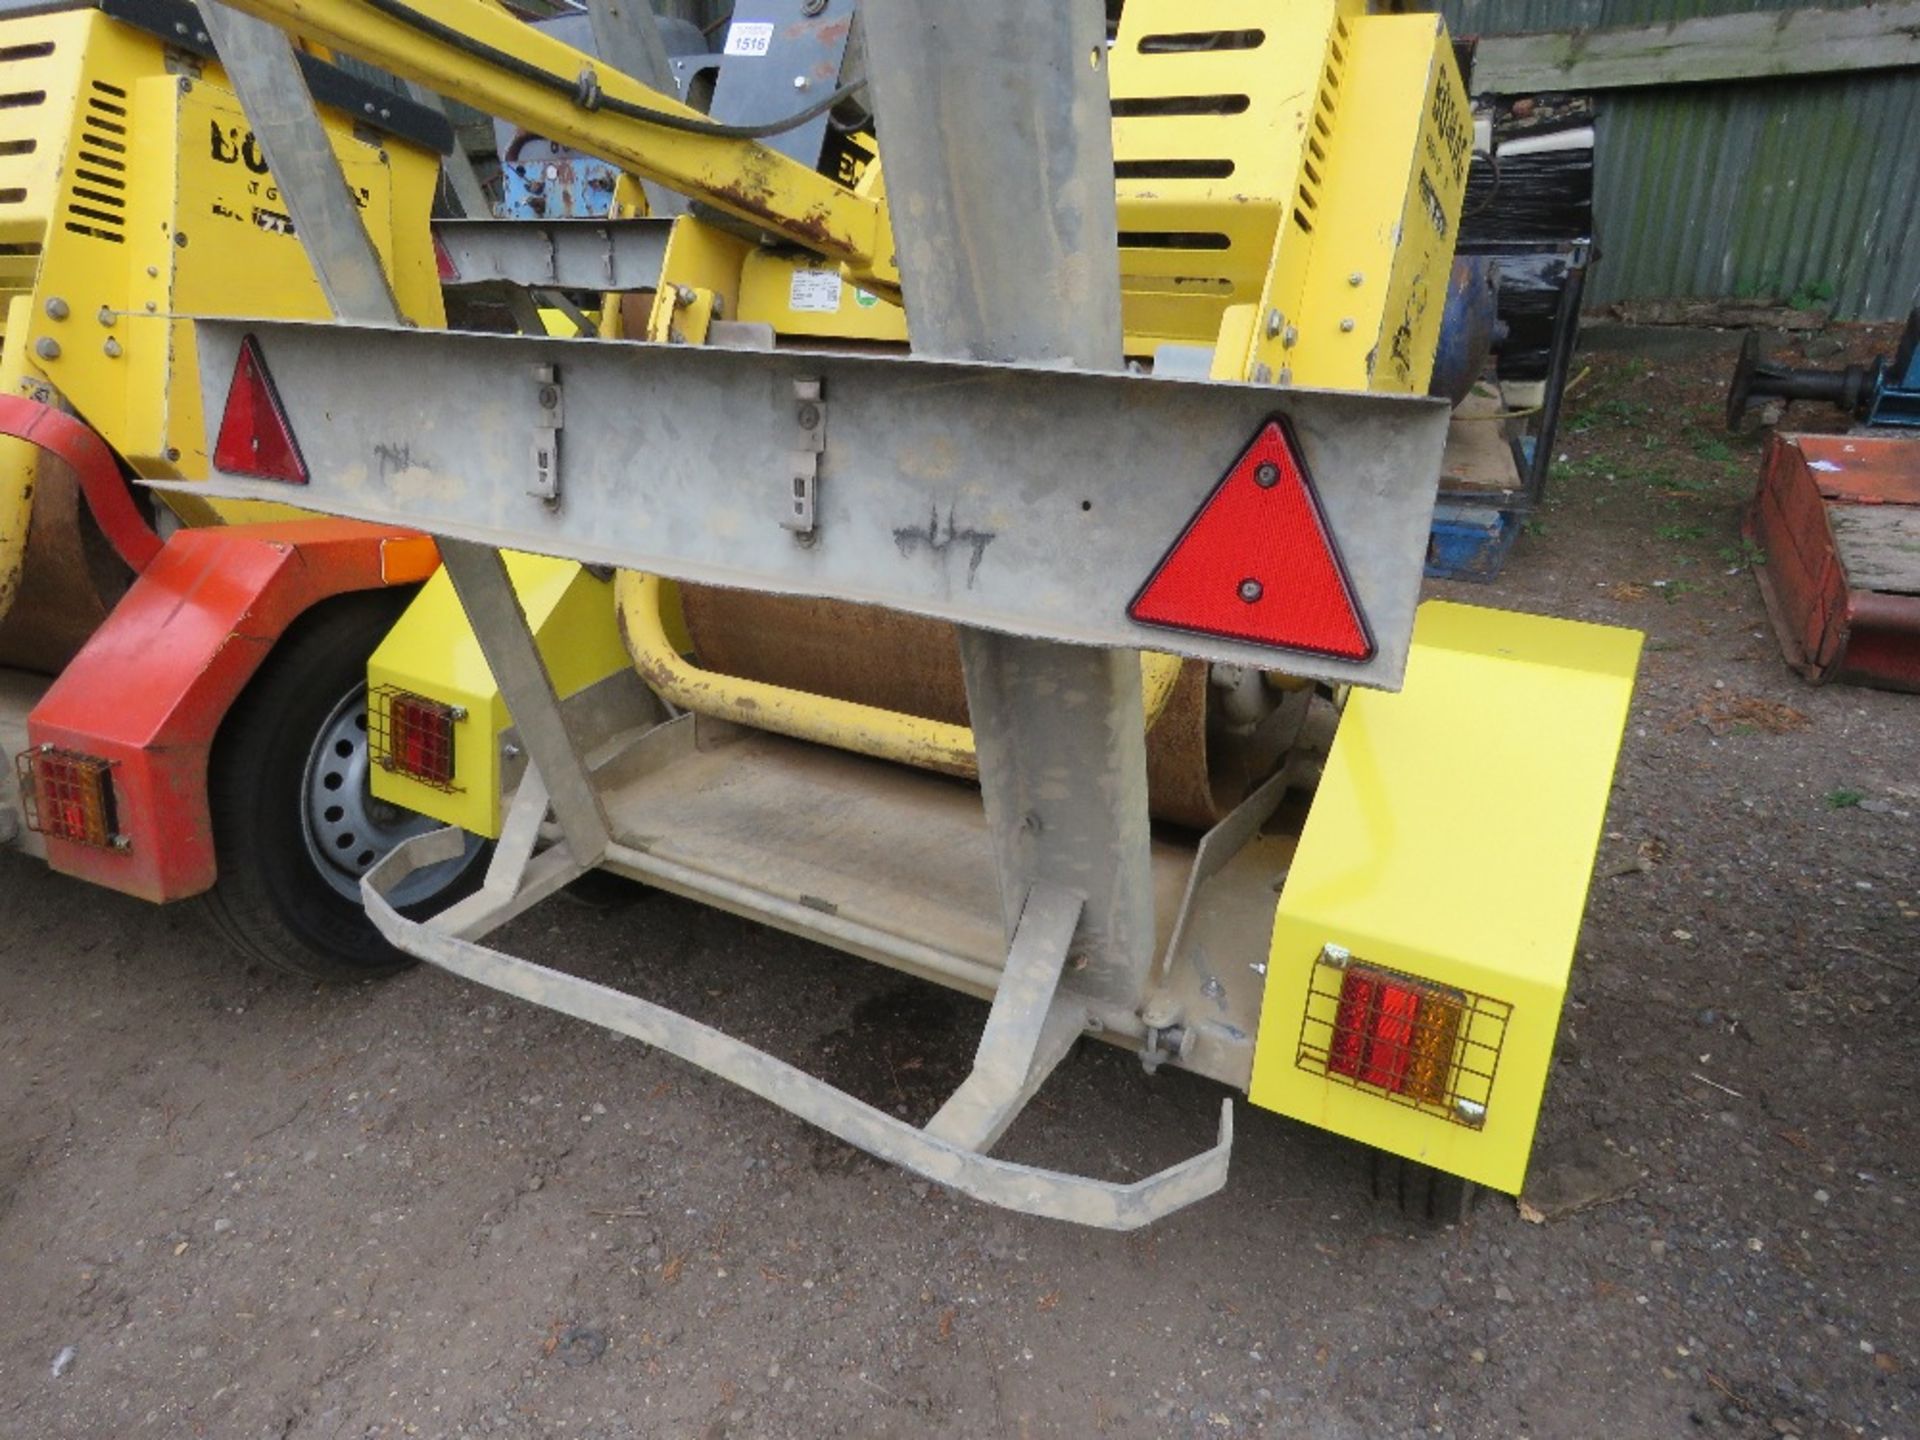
<point>255,439</point>
<point>443,260</point>
<point>1257,562</point>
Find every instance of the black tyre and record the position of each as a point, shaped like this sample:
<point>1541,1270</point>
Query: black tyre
<point>1420,1192</point>
<point>294,823</point>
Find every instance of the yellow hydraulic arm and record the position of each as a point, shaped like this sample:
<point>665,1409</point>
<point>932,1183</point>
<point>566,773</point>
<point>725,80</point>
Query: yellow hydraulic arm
<point>475,52</point>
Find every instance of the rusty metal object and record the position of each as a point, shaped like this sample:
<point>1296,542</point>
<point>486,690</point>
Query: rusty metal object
<point>911,664</point>
<point>70,580</point>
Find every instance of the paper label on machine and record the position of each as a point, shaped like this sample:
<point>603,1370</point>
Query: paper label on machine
<point>815,290</point>
<point>749,37</point>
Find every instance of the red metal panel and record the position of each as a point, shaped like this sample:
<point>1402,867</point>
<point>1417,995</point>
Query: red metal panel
<point>1801,581</point>
<point>1865,469</point>
<point>1829,630</point>
<point>150,688</point>
<point>1883,644</point>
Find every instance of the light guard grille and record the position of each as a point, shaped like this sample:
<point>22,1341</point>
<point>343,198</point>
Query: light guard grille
<point>413,736</point>
<point>1439,1059</point>
<point>68,796</point>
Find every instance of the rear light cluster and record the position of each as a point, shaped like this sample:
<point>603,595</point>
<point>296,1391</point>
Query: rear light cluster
<point>1432,1047</point>
<point>412,735</point>
<point>69,796</point>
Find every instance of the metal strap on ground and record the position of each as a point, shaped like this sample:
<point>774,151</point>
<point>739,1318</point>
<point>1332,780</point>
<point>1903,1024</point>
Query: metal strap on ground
<point>1032,1191</point>
<point>260,65</point>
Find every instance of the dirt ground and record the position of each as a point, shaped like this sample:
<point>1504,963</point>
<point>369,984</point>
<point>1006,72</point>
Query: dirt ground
<point>235,1205</point>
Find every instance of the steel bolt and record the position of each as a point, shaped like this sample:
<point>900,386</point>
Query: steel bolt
<point>1346,326</point>
<point>107,316</point>
<point>1274,321</point>
<point>813,7</point>
<point>808,416</point>
<point>47,348</point>
<point>1291,336</point>
<point>56,308</point>
<point>549,397</point>
<point>1355,278</point>
<point>1266,475</point>
<point>799,82</point>
<point>112,348</point>
<point>684,294</point>
<point>1250,590</point>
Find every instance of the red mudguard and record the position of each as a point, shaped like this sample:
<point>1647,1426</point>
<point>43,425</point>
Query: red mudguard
<point>149,690</point>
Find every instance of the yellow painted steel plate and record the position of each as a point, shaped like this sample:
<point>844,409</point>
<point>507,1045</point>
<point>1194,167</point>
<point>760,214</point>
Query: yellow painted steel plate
<point>1452,839</point>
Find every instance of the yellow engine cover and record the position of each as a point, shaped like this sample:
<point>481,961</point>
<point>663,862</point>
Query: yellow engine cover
<point>1451,843</point>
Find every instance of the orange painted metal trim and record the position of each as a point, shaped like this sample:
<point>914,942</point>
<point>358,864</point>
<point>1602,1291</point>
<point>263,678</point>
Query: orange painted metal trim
<point>149,690</point>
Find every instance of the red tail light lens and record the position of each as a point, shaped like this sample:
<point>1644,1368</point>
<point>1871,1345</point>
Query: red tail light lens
<point>413,735</point>
<point>1394,1034</point>
<point>255,439</point>
<point>1258,563</point>
<point>69,796</point>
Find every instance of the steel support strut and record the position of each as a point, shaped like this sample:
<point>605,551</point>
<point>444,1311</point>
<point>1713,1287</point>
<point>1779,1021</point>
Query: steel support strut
<point>999,145</point>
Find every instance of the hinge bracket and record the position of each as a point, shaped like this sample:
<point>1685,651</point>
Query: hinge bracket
<point>544,482</point>
<point>803,485</point>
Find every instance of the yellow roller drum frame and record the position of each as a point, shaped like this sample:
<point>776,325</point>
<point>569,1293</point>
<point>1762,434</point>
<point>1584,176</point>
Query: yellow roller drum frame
<point>865,729</point>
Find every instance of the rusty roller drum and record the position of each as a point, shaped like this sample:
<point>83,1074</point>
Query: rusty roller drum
<point>70,578</point>
<point>1217,737</point>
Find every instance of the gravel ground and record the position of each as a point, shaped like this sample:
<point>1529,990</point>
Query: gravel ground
<point>235,1205</point>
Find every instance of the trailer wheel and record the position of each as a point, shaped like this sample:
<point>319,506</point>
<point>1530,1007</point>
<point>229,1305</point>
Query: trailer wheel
<point>294,823</point>
<point>1420,1192</point>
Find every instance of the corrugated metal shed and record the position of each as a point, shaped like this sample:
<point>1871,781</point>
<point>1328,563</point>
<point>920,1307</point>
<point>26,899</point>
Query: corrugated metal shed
<point>1806,187</point>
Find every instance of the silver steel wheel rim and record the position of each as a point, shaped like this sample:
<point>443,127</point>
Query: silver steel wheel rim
<point>348,831</point>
